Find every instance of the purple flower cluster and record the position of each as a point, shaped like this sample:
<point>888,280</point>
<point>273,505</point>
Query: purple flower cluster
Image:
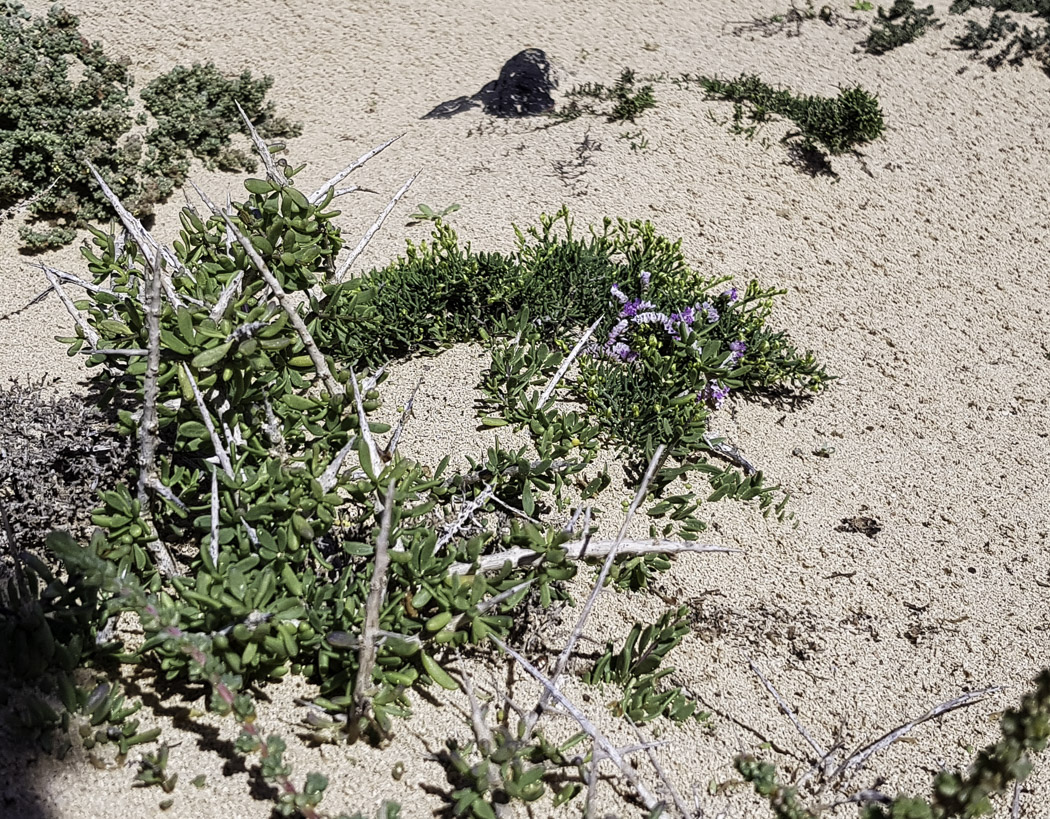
<point>731,295</point>
<point>715,392</point>
<point>736,351</point>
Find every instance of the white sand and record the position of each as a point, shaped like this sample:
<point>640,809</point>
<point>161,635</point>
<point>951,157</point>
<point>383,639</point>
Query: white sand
<point>921,282</point>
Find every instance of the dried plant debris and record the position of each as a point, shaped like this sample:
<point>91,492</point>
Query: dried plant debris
<point>55,454</point>
<point>63,100</point>
<point>861,525</point>
<point>791,21</point>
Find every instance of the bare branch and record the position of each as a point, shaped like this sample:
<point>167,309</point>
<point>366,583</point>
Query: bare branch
<point>376,590</point>
<point>272,171</point>
<point>582,549</point>
<point>567,363</point>
<point>362,423</point>
<point>287,304</point>
<point>148,426</point>
<point>391,447</point>
<point>69,277</point>
<point>130,352</point>
<point>483,735</point>
<point>213,546</point>
<point>216,442</point>
<point>650,751</point>
<point>322,191</point>
<point>378,223</point>
<point>607,748</point>
<point>330,477</point>
<point>149,246</point>
<point>563,658</point>
<point>820,752</point>
<point>89,334</point>
<point>858,758</point>
<point>465,514</point>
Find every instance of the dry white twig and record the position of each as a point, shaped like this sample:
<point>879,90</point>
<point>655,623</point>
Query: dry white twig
<point>89,334</point>
<point>322,191</point>
<point>567,363</point>
<point>581,622</point>
<point>583,549</point>
<point>858,758</point>
<point>820,752</point>
<point>466,512</point>
<point>362,424</point>
<point>156,256</point>
<point>391,447</point>
<point>378,223</point>
<point>148,425</point>
<point>607,748</point>
<point>377,587</point>
<point>272,171</point>
<point>650,751</point>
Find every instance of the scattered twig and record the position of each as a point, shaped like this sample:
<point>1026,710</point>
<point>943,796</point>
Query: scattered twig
<point>149,246</point>
<point>89,334</point>
<point>378,223</point>
<point>148,425</point>
<point>483,735</point>
<point>650,751</point>
<point>608,750</point>
<point>322,191</point>
<point>563,658</point>
<point>858,758</point>
<point>820,752</point>
<point>582,549</point>
<point>391,447</point>
<point>272,171</point>
<point>465,514</point>
<point>362,423</point>
<point>567,363</point>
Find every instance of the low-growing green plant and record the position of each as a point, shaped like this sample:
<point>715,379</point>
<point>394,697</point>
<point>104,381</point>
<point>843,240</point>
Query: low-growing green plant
<point>1021,42</point>
<point>636,667</point>
<point>50,123</point>
<point>904,23</point>
<point>269,531</point>
<point>837,126</point>
<point>425,213</point>
<point>623,102</point>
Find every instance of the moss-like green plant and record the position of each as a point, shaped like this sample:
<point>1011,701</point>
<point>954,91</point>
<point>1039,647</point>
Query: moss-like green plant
<point>836,125</point>
<point>903,23</point>
<point>51,122</point>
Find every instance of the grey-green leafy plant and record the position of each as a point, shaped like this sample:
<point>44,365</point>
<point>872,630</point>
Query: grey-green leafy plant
<point>903,23</point>
<point>52,120</point>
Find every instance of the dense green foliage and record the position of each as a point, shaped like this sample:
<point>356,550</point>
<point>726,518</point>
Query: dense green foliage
<point>64,101</point>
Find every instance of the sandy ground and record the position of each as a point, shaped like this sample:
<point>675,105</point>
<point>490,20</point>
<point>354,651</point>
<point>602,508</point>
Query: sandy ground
<point>919,277</point>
